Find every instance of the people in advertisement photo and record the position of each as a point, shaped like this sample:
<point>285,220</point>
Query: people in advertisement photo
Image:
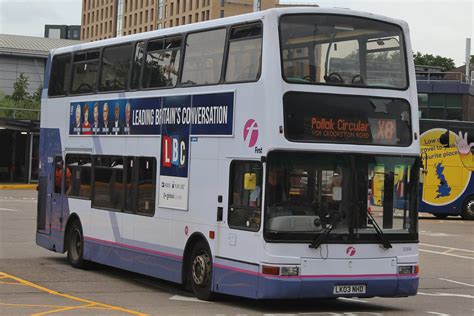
<point>95,125</point>
<point>117,128</point>
<point>105,119</point>
<point>86,125</point>
<point>76,128</point>
<point>465,150</point>
<point>126,128</point>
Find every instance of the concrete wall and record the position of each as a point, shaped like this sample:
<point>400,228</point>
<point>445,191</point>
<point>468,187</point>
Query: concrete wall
<point>12,66</point>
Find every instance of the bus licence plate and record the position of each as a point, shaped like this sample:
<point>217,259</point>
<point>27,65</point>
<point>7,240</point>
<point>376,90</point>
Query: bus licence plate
<point>349,289</point>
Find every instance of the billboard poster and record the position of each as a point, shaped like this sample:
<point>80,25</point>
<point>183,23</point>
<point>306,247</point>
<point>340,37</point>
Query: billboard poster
<point>174,179</point>
<point>174,118</point>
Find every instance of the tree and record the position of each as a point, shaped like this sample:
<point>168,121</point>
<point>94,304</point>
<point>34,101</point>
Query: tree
<point>20,105</point>
<point>430,60</point>
<point>20,87</point>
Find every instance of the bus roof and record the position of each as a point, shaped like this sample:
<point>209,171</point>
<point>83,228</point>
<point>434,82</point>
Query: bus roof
<point>254,16</point>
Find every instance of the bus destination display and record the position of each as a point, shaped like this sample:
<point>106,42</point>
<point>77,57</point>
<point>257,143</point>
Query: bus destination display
<point>379,131</point>
<point>311,117</point>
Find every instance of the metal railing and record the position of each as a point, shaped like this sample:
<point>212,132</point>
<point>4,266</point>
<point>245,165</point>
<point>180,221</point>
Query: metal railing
<point>14,113</point>
<point>448,76</point>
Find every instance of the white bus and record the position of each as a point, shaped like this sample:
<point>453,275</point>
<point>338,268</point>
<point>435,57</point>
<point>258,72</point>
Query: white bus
<point>237,155</point>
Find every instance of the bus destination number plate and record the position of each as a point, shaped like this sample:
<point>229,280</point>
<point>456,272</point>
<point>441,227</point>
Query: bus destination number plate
<point>349,289</point>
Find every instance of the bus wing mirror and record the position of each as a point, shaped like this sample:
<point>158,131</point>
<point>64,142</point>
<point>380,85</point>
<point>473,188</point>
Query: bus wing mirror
<point>250,181</point>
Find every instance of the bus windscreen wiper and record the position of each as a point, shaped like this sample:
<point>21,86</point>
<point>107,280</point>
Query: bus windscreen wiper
<point>385,242</point>
<point>322,237</point>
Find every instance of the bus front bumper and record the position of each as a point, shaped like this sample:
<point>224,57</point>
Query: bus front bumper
<point>316,287</point>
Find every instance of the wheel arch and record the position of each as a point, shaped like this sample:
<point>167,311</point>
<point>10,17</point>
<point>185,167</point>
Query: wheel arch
<point>71,219</point>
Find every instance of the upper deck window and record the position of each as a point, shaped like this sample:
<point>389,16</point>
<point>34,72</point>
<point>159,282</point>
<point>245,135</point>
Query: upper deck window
<point>162,63</point>
<point>85,68</point>
<point>60,75</point>
<point>203,57</point>
<point>342,50</point>
<point>115,67</point>
<point>244,53</point>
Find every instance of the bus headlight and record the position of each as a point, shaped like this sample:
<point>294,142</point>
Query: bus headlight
<point>289,271</point>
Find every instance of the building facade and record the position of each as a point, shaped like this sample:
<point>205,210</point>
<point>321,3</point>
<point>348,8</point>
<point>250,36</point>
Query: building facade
<point>103,19</point>
<point>445,95</point>
<point>72,32</point>
<point>19,137</point>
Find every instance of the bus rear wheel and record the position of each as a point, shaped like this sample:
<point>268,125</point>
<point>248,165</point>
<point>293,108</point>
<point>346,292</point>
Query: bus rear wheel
<point>75,246</point>
<point>200,271</point>
<point>468,208</point>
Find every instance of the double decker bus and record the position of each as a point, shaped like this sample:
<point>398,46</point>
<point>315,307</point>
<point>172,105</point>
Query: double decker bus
<point>238,155</point>
<point>447,149</point>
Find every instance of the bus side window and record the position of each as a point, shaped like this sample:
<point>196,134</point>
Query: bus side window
<point>115,64</point>
<point>245,195</point>
<point>244,53</point>
<point>162,63</point>
<point>146,186</point>
<point>77,182</point>
<point>85,68</point>
<point>60,75</point>
<point>203,57</point>
<point>58,174</point>
<point>137,65</point>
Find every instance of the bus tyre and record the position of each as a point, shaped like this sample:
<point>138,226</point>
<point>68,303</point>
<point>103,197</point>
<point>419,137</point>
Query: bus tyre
<point>468,208</point>
<point>440,216</point>
<point>75,246</point>
<point>200,271</point>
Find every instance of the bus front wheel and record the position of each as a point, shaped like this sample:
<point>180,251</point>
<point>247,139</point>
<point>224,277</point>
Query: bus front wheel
<point>468,208</point>
<point>75,246</point>
<point>200,271</point>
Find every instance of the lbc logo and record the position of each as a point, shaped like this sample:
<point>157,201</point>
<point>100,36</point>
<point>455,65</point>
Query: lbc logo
<point>174,152</point>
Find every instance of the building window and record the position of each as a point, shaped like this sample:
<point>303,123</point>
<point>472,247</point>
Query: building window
<point>196,17</point>
<point>183,20</point>
<point>190,19</point>
<point>207,15</point>
<point>222,13</point>
<point>177,7</point>
<point>184,6</point>
<point>146,16</point>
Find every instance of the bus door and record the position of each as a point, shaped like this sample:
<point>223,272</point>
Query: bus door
<point>49,193</point>
<point>245,200</point>
<point>56,205</point>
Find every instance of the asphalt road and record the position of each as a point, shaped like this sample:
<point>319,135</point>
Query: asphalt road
<point>34,281</point>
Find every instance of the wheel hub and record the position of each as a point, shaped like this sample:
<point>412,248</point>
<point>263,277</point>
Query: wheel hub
<point>470,207</point>
<point>201,269</point>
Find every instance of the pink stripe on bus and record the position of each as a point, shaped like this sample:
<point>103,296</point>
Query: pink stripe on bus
<point>165,254</point>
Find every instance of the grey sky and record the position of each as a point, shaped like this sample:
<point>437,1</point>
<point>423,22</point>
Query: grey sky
<point>438,27</point>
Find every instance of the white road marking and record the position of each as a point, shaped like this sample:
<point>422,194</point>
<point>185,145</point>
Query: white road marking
<point>352,299</point>
<point>452,281</point>
<point>447,295</point>
<point>446,254</point>
<point>9,209</point>
<point>436,234</point>
<point>440,314</point>
<point>444,247</point>
<point>187,299</point>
